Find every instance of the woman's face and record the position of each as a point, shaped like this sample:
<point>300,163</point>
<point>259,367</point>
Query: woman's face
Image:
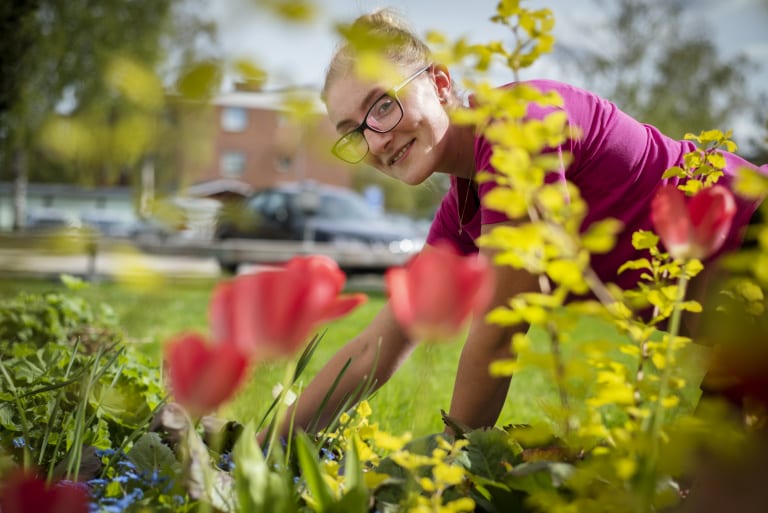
<point>414,149</point>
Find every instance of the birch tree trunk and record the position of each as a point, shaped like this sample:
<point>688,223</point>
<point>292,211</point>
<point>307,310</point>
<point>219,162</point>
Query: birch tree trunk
<point>20,180</point>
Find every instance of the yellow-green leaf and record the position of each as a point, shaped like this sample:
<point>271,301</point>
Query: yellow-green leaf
<point>600,237</point>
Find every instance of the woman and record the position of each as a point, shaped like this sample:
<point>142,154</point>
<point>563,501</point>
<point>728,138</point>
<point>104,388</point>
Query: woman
<point>405,132</point>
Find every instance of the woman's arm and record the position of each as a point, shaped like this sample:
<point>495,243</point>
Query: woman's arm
<point>477,397</point>
<point>382,343</point>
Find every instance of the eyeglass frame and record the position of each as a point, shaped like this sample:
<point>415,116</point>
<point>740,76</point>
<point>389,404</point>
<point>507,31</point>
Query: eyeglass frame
<point>392,93</point>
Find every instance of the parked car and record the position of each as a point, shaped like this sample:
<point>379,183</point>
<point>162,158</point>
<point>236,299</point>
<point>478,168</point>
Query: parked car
<point>45,219</point>
<point>318,213</point>
<point>110,224</point>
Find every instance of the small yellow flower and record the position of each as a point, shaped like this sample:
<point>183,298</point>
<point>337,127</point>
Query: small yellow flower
<point>626,467</point>
<point>448,474</point>
<point>364,409</point>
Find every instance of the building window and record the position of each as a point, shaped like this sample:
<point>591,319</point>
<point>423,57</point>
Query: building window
<point>234,119</point>
<point>284,163</point>
<point>232,164</point>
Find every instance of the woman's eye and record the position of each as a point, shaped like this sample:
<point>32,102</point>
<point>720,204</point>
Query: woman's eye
<point>384,107</point>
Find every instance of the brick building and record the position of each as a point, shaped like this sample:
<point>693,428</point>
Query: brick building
<point>258,140</point>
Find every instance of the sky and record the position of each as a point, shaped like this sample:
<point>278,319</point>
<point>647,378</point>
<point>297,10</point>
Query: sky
<point>298,54</point>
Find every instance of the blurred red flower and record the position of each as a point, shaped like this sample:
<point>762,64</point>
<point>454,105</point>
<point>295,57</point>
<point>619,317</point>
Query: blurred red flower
<point>22,492</point>
<point>435,293</point>
<point>271,313</point>
<point>695,228</point>
<point>203,376</point>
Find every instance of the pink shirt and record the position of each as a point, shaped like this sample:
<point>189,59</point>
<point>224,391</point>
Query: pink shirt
<point>617,165</point>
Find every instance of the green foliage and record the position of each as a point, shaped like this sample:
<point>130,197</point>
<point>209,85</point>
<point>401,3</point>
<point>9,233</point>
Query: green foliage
<point>260,486</point>
<point>82,97</point>
<point>65,364</point>
<point>676,80</point>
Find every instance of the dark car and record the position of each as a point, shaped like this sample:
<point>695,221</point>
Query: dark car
<point>337,218</point>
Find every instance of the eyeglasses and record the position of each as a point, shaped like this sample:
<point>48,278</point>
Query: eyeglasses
<point>383,116</point>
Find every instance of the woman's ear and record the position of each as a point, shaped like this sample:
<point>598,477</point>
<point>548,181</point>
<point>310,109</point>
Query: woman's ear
<point>441,77</point>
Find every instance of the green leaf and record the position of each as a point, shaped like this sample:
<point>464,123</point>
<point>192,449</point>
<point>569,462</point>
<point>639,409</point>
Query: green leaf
<point>569,274</point>
<point>642,263</point>
<point>73,282</point>
<point>7,414</point>
<point>122,402</point>
<point>491,453</point>
<point>200,81</point>
<point>149,453</point>
<point>674,172</point>
<point>313,474</point>
<point>643,239</point>
<point>261,487</point>
<point>539,475</point>
<point>601,236</point>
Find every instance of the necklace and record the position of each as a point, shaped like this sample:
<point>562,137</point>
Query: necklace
<point>470,188</point>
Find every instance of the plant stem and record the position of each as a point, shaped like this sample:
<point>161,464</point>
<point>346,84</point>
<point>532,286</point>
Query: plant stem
<point>674,329</point>
<point>22,414</point>
<point>654,431</point>
<point>557,355</point>
<point>57,402</point>
<point>290,370</point>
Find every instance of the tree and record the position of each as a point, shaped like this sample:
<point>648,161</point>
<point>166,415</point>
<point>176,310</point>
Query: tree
<point>98,62</point>
<point>662,68</point>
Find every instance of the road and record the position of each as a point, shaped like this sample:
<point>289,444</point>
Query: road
<point>104,265</point>
<point>127,264</point>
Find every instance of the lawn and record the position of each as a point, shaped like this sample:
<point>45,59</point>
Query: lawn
<point>411,401</point>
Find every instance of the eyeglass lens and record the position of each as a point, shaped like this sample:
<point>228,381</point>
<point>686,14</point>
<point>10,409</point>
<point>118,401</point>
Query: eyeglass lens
<point>383,116</point>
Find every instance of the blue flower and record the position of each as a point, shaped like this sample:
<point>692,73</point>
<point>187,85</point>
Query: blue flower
<point>226,463</point>
<point>127,464</point>
<point>19,442</point>
<point>327,454</point>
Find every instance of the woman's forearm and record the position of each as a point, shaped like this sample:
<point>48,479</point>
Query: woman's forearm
<point>379,349</point>
<point>477,396</point>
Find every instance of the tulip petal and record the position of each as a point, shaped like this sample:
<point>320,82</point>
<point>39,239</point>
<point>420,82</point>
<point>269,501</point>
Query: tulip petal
<point>23,493</point>
<point>203,376</point>
<point>711,211</point>
<point>399,295</point>
<point>695,229</point>
<point>271,313</point>
<point>435,293</point>
<point>220,312</point>
<point>671,221</point>
<point>343,305</point>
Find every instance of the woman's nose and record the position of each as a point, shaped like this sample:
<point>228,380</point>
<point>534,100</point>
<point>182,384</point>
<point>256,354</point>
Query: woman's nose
<point>377,141</point>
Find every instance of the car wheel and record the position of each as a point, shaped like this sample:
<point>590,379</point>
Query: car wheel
<point>229,268</point>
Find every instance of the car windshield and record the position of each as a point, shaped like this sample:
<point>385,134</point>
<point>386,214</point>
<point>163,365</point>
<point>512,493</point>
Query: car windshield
<point>338,206</point>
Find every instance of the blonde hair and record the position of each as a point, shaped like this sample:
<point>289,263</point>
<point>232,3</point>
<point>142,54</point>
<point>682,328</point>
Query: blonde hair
<point>383,30</point>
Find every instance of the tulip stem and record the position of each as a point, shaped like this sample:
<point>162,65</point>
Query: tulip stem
<point>290,371</point>
<point>674,329</point>
<point>657,416</point>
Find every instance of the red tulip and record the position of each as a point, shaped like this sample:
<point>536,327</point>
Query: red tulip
<point>696,228</point>
<point>24,493</point>
<point>271,313</point>
<point>202,375</point>
<point>435,293</point>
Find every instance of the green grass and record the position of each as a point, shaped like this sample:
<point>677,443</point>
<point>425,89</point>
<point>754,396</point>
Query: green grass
<point>411,401</point>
